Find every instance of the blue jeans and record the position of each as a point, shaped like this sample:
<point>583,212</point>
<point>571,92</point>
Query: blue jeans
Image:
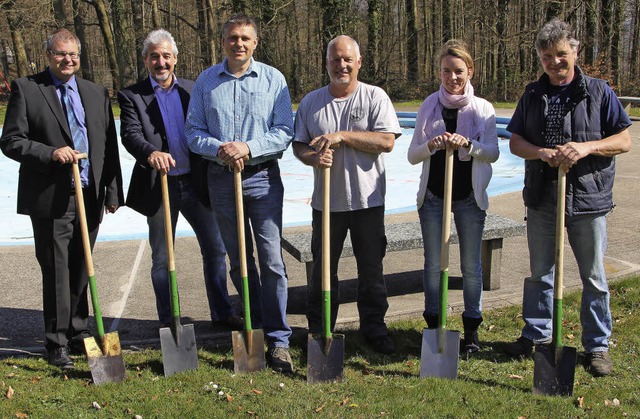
<point>588,239</point>
<point>369,243</point>
<point>469,220</point>
<point>263,195</point>
<point>182,198</point>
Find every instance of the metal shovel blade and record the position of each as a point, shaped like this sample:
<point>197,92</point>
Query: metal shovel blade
<point>440,360</point>
<point>107,367</point>
<point>248,351</point>
<point>325,358</point>
<point>179,351</point>
<point>554,370</point>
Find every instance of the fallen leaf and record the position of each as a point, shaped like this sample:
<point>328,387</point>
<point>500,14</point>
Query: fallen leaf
<point>319,409</point>
<point>251,413</point>
<point>612,403</point>
<point>522,417</point>
<point>137,417</point>
<point>353,405</point>
<point>35,380</point>
<point>229,397</point>
<point>570,336</point>
<point>95,405</point>
<point>11,375</point>
<point>21,415</point>
<point>409,364</point>
<point>65,378</point>
<point>155,397</point>
<point>516,377</point>
<point>491,327</point>
<point>10,392</point>
<point>580,402</point>
<point>256,391</point>
<point>345,401</point>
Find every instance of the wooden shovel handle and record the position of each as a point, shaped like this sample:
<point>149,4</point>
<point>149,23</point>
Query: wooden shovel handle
<point>237,180</point>
<point>326,252</point>
<point>446,210</point>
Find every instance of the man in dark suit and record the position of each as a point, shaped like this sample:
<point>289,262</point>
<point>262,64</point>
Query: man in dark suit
<point>51,117</point>
<point>152,130</point>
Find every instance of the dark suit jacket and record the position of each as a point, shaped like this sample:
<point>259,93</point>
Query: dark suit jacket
<point>142,132</point>
<point>36,125</point>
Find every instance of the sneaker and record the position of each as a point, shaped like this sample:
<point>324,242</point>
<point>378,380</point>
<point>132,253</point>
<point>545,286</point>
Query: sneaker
<point>59,357</point>
<point>382,344</point>
<point>523,347</point>
<point>600,364</point>
<point>279,360</point>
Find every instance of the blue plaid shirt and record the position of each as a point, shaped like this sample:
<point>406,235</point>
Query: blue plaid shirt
<point>254,108</point>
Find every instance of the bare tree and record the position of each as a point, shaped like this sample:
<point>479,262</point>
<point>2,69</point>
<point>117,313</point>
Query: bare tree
<point>107,35</point>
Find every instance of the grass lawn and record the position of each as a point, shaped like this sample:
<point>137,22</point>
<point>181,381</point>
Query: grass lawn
<point>489,385</point>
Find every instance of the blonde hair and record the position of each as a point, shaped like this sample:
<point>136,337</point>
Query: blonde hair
<point>457,48</point>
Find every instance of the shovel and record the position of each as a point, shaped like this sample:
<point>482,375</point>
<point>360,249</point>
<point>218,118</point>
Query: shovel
<point>555,364</point>
<point>325,354</point>
<point>104,354</point>
<point>178,342</point>
<point>248,345</point>
<point>440,347</point>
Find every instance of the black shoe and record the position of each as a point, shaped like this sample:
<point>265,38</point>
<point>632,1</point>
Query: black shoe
<point>382,344</point>
<point>233,322</point>
<point>470,342</point>
<point>59,357</point>
<point>279,360</point>
<point>523,347</point>
<point>76,347</point>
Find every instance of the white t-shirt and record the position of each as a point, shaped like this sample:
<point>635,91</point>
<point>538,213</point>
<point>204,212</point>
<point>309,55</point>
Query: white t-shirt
<point>357,177</point>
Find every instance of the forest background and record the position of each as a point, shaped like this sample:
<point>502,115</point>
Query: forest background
<point>399,39</point>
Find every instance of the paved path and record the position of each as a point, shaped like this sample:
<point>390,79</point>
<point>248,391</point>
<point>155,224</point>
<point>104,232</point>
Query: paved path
<point>128,304</point>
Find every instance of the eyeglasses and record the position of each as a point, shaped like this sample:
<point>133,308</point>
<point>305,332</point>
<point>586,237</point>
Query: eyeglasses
<point>62,54</point>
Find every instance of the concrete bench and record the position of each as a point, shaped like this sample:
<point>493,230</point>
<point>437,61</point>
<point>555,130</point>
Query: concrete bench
<point>408,236</point>
<point>627,101</point>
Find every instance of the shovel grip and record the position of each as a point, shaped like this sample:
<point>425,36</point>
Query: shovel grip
<point>86,245</point>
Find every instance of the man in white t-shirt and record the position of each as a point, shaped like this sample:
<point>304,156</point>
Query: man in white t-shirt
<point>346,126</point>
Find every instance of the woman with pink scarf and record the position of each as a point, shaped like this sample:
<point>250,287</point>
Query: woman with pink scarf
<point>454,118</point>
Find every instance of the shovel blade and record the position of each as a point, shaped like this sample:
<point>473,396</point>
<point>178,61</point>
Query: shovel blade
<point>325,358</point>
<point>440,359</point>
<point>106,366</point>
<point>554,370</point>
<point>179,350</point>
<point>248,351</point>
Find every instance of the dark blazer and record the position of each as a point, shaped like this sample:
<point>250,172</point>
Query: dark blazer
<point>142,132</point>
<point>36,125</point>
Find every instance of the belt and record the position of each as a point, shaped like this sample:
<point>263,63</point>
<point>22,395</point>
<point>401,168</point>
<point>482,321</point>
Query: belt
<point>255,168</point>
<point>186,176</point>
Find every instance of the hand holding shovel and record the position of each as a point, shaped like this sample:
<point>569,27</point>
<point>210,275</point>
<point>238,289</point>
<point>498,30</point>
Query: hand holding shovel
<point>104,354</point>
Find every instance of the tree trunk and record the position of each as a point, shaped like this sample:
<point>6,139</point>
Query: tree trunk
<point>137,8</point>
<point>617,14</point>
<point>155,15</point>
<point>59,14</point>
<point>14,19</point>
<point>412,41</point>
<point>446,20</point>
<point>124,40</point>
<point>607,35</point>
<point>554,9</point>
<point>501,29</point>
<point>78,24</point>
<point>214,34</point>
<point>590,33</point>
<point>374,30</point>
<point>107,35</point>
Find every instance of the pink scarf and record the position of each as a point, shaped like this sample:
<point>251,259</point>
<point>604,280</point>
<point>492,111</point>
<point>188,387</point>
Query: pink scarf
<point>468,116</point>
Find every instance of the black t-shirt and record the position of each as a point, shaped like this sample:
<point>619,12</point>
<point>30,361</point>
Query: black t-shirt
<point>461,169</point>
<point>557,109</point>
